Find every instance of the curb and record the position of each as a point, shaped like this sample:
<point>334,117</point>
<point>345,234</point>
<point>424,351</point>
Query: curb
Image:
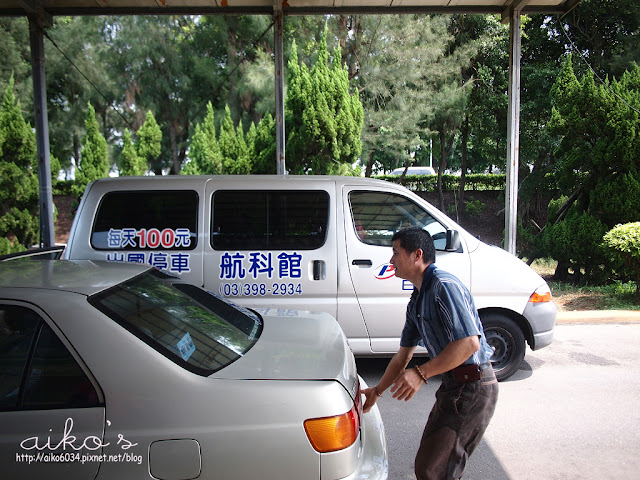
<point>598,316</point>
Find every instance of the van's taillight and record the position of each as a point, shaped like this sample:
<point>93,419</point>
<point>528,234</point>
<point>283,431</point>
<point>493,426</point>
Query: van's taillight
<point>330,434</point>
<point>541,295</point>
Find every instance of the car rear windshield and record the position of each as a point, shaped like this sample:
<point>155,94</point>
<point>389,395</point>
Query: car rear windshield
<point>193,328</point>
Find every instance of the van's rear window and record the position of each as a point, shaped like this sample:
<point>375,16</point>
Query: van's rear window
<point>144,220</point>
<point>269,220</point>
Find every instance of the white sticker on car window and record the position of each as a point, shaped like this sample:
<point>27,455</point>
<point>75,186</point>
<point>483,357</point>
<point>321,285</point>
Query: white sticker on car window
<point>186,347</point>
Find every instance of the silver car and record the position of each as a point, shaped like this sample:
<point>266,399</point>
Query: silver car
<point>122,372</point>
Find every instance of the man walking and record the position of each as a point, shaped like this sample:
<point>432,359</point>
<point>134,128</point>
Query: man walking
<point>442,317</point>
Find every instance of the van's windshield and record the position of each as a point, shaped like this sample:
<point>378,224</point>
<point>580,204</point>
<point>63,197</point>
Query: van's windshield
<point>378,215</point>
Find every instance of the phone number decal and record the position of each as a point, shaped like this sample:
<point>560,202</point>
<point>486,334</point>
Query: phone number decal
<point>259,289</point>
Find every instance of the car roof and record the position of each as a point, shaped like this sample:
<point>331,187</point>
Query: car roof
<point>80,276</point>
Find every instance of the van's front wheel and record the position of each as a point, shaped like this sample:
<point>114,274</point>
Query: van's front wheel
<point>507,341</point>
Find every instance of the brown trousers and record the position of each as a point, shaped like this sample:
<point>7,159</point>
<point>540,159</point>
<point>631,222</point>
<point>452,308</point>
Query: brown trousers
<point>455,427</point>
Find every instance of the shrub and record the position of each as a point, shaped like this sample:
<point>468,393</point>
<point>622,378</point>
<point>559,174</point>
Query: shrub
<point>623,244</point>
<point>6,246</point>
<point>474,208</point>
<point>576,243</point>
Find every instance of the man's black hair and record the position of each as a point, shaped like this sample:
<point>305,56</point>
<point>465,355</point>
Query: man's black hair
<point>414,238</point>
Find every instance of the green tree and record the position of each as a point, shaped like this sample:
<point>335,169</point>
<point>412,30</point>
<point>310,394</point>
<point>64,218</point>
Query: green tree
<point>235,158</point>
<point>393,84</point>
<point>605,32</point>
<point>232,64</point>
<point>152,59</point>
<point>18,176</point>
<point>94,159</point>
<point>204,152</point>
<point>451,85</point>
<point>264,146</point>
<point>597,163</point>
<point>488,101</point>
<point>250,141</point>
<point>149,143</point>
<point>82,53</point>
<point>323,119</point>
<point>15,54</point>
<point>130,162</point>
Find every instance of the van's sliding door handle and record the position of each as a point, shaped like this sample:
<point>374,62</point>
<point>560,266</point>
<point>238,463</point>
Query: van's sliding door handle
<point>362,263</point>
<point>319,270</point>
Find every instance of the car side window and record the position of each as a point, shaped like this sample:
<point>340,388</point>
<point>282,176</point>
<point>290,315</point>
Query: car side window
<point>17,332</point>
<point>38,370</point>
<point>378,215</point>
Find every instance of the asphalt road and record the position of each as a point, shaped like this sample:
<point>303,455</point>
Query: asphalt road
<point>572,412</point>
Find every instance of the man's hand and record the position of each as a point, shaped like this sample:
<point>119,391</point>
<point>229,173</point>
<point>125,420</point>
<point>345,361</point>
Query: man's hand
<point>406,385</point>
<point>371,397</point>
<point>396,366</point>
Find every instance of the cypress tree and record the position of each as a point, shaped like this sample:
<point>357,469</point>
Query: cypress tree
<point>18,177</point>
<point>204,151</point>
<point>235,159</point>
<point>324,120</point>
<point>264,159</point>
<point>130,162</point>
<point>94,159</point>
<point>149,143</point>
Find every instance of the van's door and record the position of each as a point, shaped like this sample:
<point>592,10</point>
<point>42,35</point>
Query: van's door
<point>371,218</point>
<point>272,244</point>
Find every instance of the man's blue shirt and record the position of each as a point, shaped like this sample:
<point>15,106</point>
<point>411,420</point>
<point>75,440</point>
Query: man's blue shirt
<point>441,312</point>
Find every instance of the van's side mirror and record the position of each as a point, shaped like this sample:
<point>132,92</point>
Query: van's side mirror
<point>453,241</point>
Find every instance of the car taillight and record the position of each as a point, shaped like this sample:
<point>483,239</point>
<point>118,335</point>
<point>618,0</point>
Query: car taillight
<point>330,434</point>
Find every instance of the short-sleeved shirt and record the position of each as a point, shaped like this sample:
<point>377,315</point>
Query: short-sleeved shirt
<point>441,312</point>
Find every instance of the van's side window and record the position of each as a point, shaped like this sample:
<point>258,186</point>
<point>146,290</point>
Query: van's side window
<point>269,220</point>
<point>378,215</point>
<point>143,220</point>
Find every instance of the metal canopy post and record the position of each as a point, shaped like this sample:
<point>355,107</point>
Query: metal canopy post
<point>513,128</point>
<point>47,234</point>
<point>278,19</point>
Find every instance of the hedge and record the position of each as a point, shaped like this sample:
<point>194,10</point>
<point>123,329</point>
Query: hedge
<point>429,183</point>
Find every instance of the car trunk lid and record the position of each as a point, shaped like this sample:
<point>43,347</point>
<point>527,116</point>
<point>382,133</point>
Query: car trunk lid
<point>311,347</point>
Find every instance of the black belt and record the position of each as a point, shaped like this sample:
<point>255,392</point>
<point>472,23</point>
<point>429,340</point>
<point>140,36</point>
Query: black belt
<point>470,373</point>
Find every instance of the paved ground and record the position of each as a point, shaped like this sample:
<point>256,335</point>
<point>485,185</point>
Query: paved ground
<point>570,413</point>
<point>599,316</point>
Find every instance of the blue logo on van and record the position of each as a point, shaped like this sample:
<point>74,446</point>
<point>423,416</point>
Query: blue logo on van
<point>385,271</point>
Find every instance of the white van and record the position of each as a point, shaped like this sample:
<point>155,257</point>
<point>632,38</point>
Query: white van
<point>309,243</point>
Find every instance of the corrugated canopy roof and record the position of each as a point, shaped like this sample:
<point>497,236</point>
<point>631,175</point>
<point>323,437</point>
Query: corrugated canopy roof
<point>289,7</point>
